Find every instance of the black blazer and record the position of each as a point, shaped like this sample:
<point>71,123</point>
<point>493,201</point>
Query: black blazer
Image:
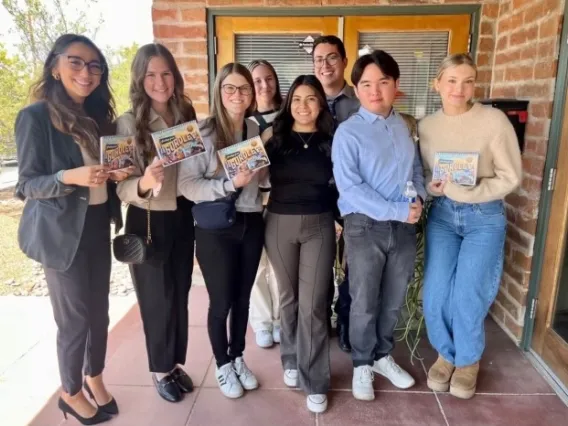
<point>54,214</point>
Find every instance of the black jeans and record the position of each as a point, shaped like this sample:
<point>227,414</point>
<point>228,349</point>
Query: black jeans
<point>229,260</point>
<point>79,296</point>
<point>162,285</point>
<point>381,263</point>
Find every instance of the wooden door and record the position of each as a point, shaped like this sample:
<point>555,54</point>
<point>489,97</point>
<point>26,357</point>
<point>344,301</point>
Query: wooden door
<point>282,41</point>
<point>550,335</point>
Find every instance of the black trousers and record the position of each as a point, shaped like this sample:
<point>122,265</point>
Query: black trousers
<point>229,260</point>
<point>79,297</point>
<point>162,285</point>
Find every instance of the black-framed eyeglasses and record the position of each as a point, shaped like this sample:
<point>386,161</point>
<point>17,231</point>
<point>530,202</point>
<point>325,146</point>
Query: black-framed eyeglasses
<point>231,89</point>
<point>331,60</point>
<point>77,63</point>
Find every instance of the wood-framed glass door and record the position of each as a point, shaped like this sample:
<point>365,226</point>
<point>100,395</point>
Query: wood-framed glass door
<point>417,43</point>
<point>550,334</point>
<point>282,41</point>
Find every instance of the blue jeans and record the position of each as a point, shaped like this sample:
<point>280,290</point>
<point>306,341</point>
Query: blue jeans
<point>463,267</point>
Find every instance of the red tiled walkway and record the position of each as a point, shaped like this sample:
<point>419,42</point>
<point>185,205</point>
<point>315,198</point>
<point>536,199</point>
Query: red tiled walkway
<point>510,390</point>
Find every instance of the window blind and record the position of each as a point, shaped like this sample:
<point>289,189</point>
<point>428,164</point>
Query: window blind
<point>418,55</point>
<point>283,51</point>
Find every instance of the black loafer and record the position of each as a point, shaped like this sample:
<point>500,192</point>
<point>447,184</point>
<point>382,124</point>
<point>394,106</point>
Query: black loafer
<point>110,407</point>
<point>343,337</point>
<point>183,380</point>
<point>167,388</point>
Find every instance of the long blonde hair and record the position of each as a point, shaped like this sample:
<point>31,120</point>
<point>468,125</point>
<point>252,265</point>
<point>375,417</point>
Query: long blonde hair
<point>219,121</point>
<point>455,60</point>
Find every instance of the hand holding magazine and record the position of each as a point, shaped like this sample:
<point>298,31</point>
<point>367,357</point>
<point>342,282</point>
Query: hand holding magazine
<point>178,143</point>
<point>117,152</point>
<point>247,155</point>
<point>457,167</point>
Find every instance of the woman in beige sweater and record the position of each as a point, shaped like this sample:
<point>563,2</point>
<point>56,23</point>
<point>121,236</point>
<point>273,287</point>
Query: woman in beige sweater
<point>465,233</point>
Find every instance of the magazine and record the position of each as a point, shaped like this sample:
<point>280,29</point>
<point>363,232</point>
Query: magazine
<point>246,155</point>
<point>117,152</point>
<point>178,143</point>
<point>458,167</point>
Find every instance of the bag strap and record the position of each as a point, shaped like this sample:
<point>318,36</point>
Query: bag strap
<point>262,124</point>
<point>149,231</point>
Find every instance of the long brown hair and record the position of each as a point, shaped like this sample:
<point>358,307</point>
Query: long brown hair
<point>179,103</point>
<point>84,123</point>
<point>219,121</point>
<point>261,62</point>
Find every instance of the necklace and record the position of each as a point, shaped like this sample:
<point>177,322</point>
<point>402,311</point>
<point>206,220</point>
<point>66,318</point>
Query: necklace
<point>305,141</point>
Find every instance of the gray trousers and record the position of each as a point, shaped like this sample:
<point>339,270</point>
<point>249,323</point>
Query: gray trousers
<point>79,297</point>
<point>301,249</point>
<point>381,259</point>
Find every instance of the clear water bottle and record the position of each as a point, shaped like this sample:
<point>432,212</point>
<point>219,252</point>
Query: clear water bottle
<point>410,193</point>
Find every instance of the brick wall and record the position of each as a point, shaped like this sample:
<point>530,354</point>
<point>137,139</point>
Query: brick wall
<point>524,66</point>
<point>517,56</point>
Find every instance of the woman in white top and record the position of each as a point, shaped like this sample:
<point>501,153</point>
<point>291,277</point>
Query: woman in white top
<point>265,300</point>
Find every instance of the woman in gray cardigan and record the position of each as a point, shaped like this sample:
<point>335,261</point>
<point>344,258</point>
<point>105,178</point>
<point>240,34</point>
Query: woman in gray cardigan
<point>65,224</point>
<point>228,257</point>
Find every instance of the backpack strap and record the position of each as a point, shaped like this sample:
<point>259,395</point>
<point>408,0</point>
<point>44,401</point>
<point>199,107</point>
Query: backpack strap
<point>262,124</point>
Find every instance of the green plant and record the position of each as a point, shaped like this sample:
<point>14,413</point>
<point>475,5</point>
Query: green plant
<point>412,317</point>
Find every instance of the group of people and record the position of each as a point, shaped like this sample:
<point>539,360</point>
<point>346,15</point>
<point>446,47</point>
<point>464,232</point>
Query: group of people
<point>338,154</point>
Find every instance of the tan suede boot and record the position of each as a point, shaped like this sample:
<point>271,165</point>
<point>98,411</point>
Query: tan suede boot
<point>464,381</point>
<point>440,374</point>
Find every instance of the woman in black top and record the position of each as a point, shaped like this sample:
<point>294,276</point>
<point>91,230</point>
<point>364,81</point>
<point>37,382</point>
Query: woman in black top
<point>300,235</point>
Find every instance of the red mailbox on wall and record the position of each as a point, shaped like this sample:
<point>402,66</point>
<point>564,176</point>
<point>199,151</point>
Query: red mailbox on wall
<point>517,112</point>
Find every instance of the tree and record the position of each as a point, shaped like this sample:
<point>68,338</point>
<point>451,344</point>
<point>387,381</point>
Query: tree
<point>119,63</point>
<point>14,85</point>
<point>39,25</point>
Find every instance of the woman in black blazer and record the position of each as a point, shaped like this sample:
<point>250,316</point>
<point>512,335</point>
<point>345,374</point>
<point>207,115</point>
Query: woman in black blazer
<point>70,203</point>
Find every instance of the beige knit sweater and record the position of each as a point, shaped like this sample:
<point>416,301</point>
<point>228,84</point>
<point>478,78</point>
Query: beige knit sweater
<point>482,129</point>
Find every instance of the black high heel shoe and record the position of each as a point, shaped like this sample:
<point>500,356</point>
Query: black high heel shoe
<point>99,417</point>
<point>110,407</point>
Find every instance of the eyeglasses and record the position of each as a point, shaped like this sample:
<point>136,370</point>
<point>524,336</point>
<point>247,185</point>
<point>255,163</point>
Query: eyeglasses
<point>229,89</point>
<point>331,60</point>
<point>77,64</point>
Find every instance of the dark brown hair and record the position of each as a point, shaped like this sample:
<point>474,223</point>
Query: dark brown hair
<point>87,122</point>
<point>142,103</point>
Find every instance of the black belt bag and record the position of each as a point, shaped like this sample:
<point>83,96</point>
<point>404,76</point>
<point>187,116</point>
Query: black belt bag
<point>218,214</point>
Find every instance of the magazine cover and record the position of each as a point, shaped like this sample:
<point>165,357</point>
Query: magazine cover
<point>458,167</point>
<point>117,152</point>
<point>178,143</point>
<point>245,155</point>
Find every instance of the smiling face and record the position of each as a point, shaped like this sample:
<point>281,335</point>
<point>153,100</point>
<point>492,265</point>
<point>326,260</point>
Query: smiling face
<point>305,106</point>
<point>159,82</point>
<point>329,67</point>
<point>79,83</point>
<point>376,91</point>
<point>265,87</point>
<point>456,86</point>
<point>236,94</point>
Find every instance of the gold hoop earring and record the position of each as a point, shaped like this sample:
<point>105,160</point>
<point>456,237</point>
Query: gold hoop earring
<point>56,76</point>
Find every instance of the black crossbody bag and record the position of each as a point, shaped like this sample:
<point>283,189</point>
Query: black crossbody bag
<point>221,213</point>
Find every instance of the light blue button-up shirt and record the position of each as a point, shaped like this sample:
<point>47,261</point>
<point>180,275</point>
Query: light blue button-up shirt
<point>373,158</point>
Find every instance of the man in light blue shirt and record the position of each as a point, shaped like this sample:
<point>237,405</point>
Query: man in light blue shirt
<point>374,156</point>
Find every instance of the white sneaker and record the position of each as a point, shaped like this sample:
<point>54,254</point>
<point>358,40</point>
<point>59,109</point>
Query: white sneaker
<point>317,403</point>
<point>363,383</point>
<point>247,379</point>
<point>387,367</point>
<point>276,334</point>
<point>228,382</point>
<point>291,378</point>
<point>264,338</point>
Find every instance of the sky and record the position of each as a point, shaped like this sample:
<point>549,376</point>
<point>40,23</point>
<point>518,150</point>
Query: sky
<point>126,21</point>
